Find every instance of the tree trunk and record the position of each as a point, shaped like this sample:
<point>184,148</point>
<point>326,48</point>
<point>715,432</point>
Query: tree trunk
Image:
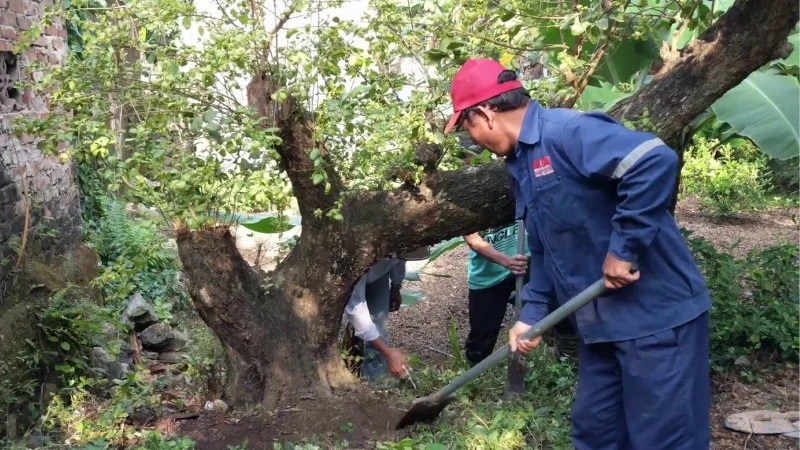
<point>279,329</point>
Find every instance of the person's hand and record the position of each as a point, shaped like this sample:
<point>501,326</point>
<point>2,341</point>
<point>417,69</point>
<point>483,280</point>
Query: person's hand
<point>395,299</point>
<point>617,273</point>
<point>517,264</point>
<point>521,345</point>
<point>396,361</point>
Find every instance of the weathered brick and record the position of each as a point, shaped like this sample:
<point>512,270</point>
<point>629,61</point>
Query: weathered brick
<point>9,33</point>
<point>3,4</point>
<point>31,55</point>
<point>33,9</point>
<point>18,6</point>
<point>8,18</point>
<point>6,46</point>
<point>24,23</point>
<point>41,41</point>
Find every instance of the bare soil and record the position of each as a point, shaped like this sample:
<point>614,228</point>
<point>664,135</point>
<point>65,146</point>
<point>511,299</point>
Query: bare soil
<point>357,418</point>
<point>422,330</point>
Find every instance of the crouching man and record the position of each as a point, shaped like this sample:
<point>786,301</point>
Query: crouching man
<point>376,294</point>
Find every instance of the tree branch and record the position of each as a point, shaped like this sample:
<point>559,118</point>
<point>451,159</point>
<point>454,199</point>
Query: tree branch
<point>297,135</point>
<point>730,50</point>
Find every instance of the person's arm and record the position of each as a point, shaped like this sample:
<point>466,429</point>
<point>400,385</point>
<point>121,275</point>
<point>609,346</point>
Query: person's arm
<point>516,265</point>
<point>644,168</point>
<point>358,313</point>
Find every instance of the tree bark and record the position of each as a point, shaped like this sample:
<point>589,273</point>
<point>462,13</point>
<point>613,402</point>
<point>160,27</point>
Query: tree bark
<point>279,329</point>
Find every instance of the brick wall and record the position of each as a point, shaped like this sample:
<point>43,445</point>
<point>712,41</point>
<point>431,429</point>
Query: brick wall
<point>29,181</point>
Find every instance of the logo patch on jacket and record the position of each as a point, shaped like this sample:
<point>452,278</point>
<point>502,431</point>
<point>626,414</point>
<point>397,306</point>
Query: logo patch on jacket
<point>542,167</point>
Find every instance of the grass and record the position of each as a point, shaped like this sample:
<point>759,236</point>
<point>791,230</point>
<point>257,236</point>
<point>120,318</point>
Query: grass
<point>480,419</point>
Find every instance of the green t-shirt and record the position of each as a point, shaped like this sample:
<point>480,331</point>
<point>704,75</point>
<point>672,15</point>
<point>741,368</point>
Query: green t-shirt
<point>482,273</point>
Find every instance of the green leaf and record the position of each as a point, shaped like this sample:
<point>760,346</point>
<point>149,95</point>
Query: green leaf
<point>435,55</point>
<point>318,177</point>
<point>602,23</point>
<point>577,27</point>
<point>187,22</point>
<point>595,98</point>
<point>445,247</point>
<point>65,346</point>
<point>627,58</point>
<point>764,108</point>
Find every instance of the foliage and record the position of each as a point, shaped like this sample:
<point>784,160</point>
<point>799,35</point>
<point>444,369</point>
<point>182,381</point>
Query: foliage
<point>184,144</point>
<point>70,330</point>
<point>162,120</point>
<point>205,359</point>
<point>755,300</point>
<point>764,108</point>
<point>87,417</point>
<point>726,180</point>
<point>67,330</point>
<point>134,257</point>
<point>476,420</point>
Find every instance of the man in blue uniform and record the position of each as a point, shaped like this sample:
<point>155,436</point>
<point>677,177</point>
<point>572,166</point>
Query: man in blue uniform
<point>594,196</point>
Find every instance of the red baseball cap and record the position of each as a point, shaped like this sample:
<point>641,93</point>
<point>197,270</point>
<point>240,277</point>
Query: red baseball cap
<point>474,83</point>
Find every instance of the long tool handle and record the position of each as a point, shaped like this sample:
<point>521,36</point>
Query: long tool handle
<point>520,251</point>
<point>579,301</point>
<point>519,279</point>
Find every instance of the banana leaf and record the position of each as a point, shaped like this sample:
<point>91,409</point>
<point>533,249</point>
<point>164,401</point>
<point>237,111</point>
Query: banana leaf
<point>764,108</point>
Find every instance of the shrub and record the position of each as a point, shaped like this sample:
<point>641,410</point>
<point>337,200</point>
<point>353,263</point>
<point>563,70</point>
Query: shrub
<point>727,180</point>
<point>755,301</point>
<point>134,258</point>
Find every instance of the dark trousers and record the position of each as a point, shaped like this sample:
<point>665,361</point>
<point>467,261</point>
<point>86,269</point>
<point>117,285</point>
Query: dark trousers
<point>487,307</point>
<point>650,393</point>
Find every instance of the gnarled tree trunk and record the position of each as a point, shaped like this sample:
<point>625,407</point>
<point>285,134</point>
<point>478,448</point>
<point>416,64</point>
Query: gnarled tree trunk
<point>279,329</point>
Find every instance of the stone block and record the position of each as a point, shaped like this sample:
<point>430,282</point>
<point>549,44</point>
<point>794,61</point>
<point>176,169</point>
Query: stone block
<point>8,18</point>
<point>17,6</point>
<point>7,32</point>
<point>24,23</point>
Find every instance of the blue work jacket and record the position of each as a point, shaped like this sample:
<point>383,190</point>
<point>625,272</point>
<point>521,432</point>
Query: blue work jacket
<point>588,186</point>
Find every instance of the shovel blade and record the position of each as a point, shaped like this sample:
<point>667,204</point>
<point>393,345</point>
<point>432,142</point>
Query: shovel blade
<point>424,410</point>
<point>515,383</point>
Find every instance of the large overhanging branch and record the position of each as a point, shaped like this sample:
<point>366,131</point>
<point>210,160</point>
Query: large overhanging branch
<point>748,36</point>
<point>735,46</point>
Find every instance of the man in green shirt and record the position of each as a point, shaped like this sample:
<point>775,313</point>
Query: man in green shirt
<point>493,265</point>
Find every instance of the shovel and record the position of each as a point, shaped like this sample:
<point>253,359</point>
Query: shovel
<point>426,409</point>
<point>515,383</point>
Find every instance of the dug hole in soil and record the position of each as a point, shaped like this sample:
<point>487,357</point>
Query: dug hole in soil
<point>363,417</point>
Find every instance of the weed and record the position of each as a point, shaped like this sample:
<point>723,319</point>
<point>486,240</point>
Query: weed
<point>754,310</point>
<point>727,180</point>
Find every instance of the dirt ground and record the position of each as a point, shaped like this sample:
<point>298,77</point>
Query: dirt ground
<point>356,418</point>
<point>422,330</point>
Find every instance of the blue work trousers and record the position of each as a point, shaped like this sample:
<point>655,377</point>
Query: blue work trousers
<point>650,393</point>
<point>374,366</point>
